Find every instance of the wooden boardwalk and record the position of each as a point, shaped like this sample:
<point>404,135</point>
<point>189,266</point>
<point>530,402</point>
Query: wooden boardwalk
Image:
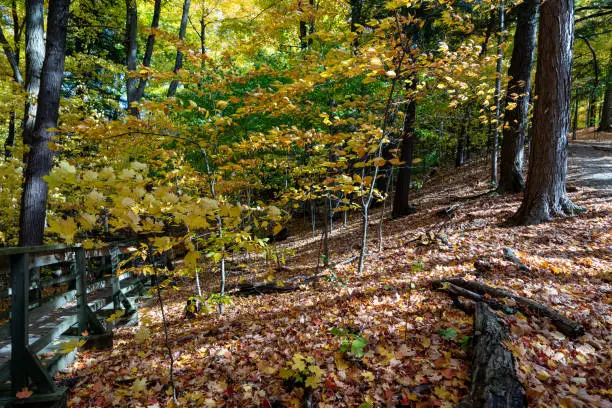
<point>89,286</point>
<point>47,323</point>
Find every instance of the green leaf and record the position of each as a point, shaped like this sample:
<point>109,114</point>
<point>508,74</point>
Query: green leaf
<point>357,346</point>
<point>448,334</point>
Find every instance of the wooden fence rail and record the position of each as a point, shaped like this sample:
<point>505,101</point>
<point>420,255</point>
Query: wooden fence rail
<point>83,283</point>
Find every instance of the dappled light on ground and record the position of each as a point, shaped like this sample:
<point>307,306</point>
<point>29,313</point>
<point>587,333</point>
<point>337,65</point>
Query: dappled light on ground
<point>417,344</point>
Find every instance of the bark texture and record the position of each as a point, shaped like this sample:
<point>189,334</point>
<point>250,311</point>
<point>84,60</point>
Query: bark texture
<point>401,204</point>
<point>146,60</point>
<point>545,193</point>
<point>494,382</point>
<point>498,74</point>
<point>178,64</point>
<point>515,130</point>
<point>40,159</point>
<point>131,54</point>
<point>605,125</point>
<point>11,57</point>
<point>461,141</point>
<point>9,143</point>
<point>34,57</point>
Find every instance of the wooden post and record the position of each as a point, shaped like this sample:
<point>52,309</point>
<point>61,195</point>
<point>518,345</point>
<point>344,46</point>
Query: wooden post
<point>20,284</point>
<point>79,259</point>
<point>114,260</point>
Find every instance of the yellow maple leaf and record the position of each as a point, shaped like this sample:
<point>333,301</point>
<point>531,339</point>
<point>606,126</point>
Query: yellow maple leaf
<point>139,385</point>
<point>341,364</point>
<point>368,376</point>
<point>71,345</point>
<point>426,342</point>
<point>66,228</point>
<point>543,375</point>
<point>442,393</point>
<point>142,334</point>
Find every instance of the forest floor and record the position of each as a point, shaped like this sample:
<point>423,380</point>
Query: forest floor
<point>414,352</point>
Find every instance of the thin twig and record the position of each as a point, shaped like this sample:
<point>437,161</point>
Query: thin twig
<point>161,306</point>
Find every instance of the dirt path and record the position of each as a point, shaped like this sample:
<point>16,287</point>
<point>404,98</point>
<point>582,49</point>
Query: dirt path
<point>590,164</point>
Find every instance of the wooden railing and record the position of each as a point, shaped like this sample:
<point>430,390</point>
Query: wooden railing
<point>55,289</point>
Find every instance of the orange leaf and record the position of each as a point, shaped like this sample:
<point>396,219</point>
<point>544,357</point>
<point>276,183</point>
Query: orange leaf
<point>24,393</point>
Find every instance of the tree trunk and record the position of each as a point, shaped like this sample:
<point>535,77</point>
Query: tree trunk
<point>494,382</point>
<point>302,30</point>
<point>131,55</point>
<point>203,38</point>
<point>364,239</point>
<point>498,74</point>
<point>11,56</point>
<point>34,57</point>
<point>575,120</point>
<point>460,155</point>
<point>178,64</point>
<point>605,124</point>
<point>401,206</point>
<point>356,16</point>
<point>512,153</point>
<point>485,41</point>
<point>146,61</point>
<point>40,159</point>
<point>592,106</point>
<point>9,143</point>
<point>545,194</point>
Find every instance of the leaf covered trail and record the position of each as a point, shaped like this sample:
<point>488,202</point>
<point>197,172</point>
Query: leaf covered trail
<point>416,341</point>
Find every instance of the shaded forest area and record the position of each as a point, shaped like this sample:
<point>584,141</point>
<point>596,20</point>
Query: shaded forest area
<point>365,203</point>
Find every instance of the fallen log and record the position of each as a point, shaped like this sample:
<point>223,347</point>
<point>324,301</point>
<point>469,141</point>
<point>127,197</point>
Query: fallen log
<point>494,382</point>
<point>528,307</point>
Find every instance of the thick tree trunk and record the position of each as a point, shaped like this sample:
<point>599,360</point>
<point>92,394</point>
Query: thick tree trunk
<point>401,204</point>
<point>34,57</point>
<point>131,54</point>
<point>178,64</point>
<point>512,153</point>
<point>498,74</point>
<point>494,382</point>
<point>545,194</point>
<point>146,61</point>
<point>40,159</point>
<point>605,124</point>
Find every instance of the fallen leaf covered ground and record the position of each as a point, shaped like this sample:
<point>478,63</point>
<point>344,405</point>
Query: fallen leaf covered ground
<point>417,344</point>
